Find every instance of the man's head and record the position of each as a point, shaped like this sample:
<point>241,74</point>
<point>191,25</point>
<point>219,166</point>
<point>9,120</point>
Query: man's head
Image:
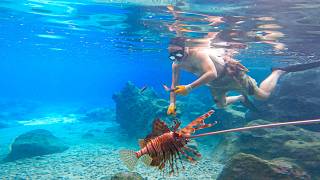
<point>176,49</point>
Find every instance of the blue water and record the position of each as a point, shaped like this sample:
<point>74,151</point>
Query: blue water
<point>62,57</point>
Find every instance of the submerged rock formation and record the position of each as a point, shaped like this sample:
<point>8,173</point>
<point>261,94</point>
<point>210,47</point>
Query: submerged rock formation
<point>229,117</point>
<point>297,97</point>
<point>35,143</point>
<point>135,110</point>
<point>99,114</point>
<point>300,146</point>
<point>249,167</point>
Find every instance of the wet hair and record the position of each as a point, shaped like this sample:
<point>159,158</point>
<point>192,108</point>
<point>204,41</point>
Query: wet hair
<point>178,41</point>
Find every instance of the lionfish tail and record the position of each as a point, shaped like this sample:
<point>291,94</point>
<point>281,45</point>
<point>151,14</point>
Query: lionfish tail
<point>129,158</point>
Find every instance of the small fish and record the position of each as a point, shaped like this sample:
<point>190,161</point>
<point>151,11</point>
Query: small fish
<point>143,89</point>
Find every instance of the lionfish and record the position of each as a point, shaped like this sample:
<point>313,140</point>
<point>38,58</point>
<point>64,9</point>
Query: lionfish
<point>164,146</point>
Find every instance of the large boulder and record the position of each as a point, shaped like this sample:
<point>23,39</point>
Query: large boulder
<point>245,166</point>
<point>302,146</point>
<point>296,97</point>
<point>35,143</point>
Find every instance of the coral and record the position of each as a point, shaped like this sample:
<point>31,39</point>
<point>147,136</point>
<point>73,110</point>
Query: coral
<point>250,167</point>
<point>35,143</point>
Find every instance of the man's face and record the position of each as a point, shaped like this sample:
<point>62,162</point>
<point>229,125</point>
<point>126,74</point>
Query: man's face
<point>176,53</point>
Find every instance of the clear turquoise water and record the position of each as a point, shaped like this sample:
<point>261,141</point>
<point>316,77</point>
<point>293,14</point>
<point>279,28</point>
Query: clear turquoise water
<point>62,57</point>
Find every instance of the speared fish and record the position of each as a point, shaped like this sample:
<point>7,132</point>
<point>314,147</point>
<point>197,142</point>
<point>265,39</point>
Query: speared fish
<point>164,147</point>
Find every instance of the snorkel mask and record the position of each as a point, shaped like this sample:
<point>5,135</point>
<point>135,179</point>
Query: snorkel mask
<point>176,56</point>
<point>177,52</point>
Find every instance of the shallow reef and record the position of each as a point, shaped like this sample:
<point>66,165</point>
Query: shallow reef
<point>296,97</point>
<point>296,145</point>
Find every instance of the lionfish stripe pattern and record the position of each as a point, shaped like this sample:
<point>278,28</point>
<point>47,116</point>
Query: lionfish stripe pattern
<point>163,148</point>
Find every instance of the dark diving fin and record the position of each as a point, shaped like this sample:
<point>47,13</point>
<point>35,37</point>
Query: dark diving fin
<point>298,67</point>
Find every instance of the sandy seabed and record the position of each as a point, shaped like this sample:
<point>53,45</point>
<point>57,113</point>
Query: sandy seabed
<point>96,159</point>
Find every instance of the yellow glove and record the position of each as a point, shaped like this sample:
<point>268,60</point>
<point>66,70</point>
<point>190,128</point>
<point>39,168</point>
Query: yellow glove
<point>172,109</point>
<point>183,90</point>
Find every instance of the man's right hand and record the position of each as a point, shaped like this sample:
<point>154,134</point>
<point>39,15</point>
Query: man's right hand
<point>172,109</point>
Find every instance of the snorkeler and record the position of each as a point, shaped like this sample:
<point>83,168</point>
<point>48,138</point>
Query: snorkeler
<point>216,68</point>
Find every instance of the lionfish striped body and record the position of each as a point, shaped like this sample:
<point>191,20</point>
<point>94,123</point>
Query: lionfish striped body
<point>164,146</point>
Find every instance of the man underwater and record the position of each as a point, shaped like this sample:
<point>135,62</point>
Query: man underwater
<point>216,68</point>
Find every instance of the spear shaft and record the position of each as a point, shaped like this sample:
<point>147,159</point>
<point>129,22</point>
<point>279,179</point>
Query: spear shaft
<point>272,125</point>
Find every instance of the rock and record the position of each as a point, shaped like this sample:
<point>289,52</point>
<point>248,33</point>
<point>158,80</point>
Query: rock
<point>246,166</point>
<point>3,125</point>
<point>127,176</point>
<point>297,97</point>
<point>135,111</point>
<point>93,133</point>
<point>35,143</point>
<point>99,114</point>
<point>88,135</point>
<point>302,146</point>
<point>229,117</point>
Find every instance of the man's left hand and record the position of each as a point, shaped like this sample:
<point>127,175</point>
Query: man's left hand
<point>183,89</point>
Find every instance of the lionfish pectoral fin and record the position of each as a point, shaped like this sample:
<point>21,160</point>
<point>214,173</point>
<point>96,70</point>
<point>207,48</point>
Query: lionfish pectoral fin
<point>196,124</point>
<point>142,143</point>
<point>146,159</point>
<point>129,158</point>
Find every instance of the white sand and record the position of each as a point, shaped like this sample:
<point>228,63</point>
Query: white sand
<point>95,158</point>
<point>94,161</point>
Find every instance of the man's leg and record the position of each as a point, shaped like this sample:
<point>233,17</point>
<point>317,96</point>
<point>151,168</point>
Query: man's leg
<point>233,99</point>
<point>267,86</point>
<point>222,100</point>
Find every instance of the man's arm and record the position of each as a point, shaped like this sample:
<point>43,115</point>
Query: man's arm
<point>175,81</point>
<point>210,72</point>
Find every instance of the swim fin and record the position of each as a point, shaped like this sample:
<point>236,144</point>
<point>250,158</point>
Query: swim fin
<point>298,67</point>
<point>248,104</point>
